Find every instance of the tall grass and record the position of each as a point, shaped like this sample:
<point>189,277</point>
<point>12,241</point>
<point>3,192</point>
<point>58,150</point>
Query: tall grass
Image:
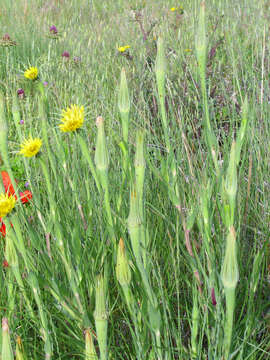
<point>147,234</point>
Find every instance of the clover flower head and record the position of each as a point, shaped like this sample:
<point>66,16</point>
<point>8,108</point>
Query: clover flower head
<point>31,73</point>
<point>73,118</point>
<point>30,147</point>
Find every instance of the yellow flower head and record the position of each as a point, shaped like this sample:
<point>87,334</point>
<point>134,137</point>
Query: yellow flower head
<point>30,147</point>
<point>187,50</point>
<point>31,73</point>
<point>123,48</point>
<point>7,203</point>
<point>173,9</point>
<point>73,118</point>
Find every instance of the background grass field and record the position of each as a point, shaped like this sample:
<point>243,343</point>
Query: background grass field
<point>61,289</point>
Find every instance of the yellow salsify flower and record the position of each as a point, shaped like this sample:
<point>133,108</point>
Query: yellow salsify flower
<point>30,147</point>
<point>180,8</point>
<point>7,203</point>
<point>31,73</point>
<point>123,48</point>
<point>73,118</point>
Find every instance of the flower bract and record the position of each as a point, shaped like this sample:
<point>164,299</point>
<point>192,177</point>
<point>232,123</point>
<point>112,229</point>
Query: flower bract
<point>30,147</point>
<point>31,73</point>
<point>73,118</point>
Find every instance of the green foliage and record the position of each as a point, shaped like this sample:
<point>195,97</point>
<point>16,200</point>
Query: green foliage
<point>177,168</point>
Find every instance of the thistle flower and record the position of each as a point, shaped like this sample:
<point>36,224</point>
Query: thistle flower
<point>73,118</point>
<point>31,73</point>
<point>122,49</point>
<point>66,54</point>
<point>7,203</point>
<point>53,30</point>
<point>30,147</point>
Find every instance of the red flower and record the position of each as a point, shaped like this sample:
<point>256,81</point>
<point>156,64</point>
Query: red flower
<point>2,228</point>
<point>25,196</point>
<point>5,263</point>
<point>9,189</point>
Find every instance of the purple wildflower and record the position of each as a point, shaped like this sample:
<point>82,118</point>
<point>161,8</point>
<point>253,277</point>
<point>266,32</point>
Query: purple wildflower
<point>53,30</point>
<point>6,37</point>
<point>20,93</point>
<point>45,83</point>
<point>22,122</point>
<point>66,54</point>
<point>26,184</point>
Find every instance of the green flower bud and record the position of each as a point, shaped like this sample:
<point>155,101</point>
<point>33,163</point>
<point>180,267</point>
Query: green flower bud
<point>101,154</point>
<point>229,272</point>
<point>7,352</point>
<point>123,98</point>
<point>200,41</point>
<point>101,317</point>
<point>20,353</point>
<point>123,272</point>
<point>90,351</point>
<point>160,61</point>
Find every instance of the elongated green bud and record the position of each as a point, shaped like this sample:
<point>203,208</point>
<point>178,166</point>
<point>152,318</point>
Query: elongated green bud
<point>195,327</point>
<point>101,317</point>
<point>123,99</point>
<point>101,154</point>
<point>200,41</point>
<point>123,272</point>
<point>124,104</point>
<point>160,62</point>
<point>229,272</point>
<point>7,353</point>
<point>20,353</point>
<point>90,351</point>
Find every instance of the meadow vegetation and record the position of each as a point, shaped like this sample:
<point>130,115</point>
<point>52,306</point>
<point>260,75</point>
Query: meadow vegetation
<point>134,187</point>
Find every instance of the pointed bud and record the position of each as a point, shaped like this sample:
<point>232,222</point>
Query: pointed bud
<point>20,353</point>
<point>160,60</point>
<point>123,272</point>
<point>90,351</point>
<point>123,98</point>
<point>101,154</point>
<point>101,316</point>
<point>229,271</point>
<point>7,353</point>
<point>200,41</point>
